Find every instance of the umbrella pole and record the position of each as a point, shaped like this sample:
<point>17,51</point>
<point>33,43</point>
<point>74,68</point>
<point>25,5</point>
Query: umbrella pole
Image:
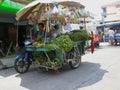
<point>17,35</point>
<point>59,27</point>
<point>31,34</point>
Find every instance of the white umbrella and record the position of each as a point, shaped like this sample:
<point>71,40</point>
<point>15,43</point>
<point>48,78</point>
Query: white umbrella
<point>37,5</point>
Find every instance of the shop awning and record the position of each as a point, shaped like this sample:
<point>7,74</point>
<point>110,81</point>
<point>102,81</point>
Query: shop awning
<point>8,11</point>
<point>110,24</point>
<point>7,17</point>
<point>10,6</point>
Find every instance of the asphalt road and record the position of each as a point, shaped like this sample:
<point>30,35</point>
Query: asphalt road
<point>98,71</point>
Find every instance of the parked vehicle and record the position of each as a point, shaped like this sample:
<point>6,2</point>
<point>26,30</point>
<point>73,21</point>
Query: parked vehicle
<point>53,47</point>
<point>117,38</point>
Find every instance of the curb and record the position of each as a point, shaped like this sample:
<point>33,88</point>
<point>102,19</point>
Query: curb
<point>7,62</point>
<point>2,66</point>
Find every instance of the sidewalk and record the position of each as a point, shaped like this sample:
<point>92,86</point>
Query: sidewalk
<point>7,62</point>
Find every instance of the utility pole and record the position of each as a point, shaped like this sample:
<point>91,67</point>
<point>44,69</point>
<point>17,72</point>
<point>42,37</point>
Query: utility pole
<point>103,14</point>
<point>103,23</point>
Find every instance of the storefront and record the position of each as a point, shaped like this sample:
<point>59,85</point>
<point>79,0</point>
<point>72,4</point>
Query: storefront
<point>8,23</point>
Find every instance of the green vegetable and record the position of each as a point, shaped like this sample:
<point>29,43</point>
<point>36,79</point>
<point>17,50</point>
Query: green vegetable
<point>78,35</point>
<point>64,42</point>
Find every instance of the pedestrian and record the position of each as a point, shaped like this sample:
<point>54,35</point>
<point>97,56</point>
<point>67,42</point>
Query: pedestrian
<point>111,36</point>
<point>103,37</point>
<point>117,31</point>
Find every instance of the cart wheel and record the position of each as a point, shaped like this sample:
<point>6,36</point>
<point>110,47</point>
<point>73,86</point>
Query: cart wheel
<point>75,63</point>
<point>21,65</point>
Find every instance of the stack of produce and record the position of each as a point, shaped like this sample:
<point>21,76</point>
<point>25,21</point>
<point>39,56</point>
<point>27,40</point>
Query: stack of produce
<point>64,42</point>
<point>78,35</point>
<point>43,60</point>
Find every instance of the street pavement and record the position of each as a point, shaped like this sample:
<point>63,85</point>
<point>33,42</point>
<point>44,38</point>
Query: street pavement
<point>98,71</point>
<point>7,62</point>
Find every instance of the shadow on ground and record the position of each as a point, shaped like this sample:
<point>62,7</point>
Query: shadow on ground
<point>7,72</point>
<point>66,79</point>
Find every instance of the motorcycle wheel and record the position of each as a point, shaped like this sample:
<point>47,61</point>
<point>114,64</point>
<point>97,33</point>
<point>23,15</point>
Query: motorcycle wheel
<point>76,60</point>
<point>21,65</point>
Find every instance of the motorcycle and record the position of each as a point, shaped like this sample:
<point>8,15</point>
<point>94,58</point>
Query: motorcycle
<point>24,59</point>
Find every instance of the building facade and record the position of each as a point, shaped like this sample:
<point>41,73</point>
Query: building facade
<point>111,12</point>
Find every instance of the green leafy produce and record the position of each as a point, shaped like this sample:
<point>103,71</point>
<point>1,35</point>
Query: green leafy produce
<point>55,62</point>
<point>48,63</point>
<point>79,35</point>
<point>40,58</point>
<point>64,42</point>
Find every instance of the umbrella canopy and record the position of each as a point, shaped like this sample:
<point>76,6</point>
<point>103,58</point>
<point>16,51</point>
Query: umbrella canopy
<point>72,3</point>
<point>37,6</point>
